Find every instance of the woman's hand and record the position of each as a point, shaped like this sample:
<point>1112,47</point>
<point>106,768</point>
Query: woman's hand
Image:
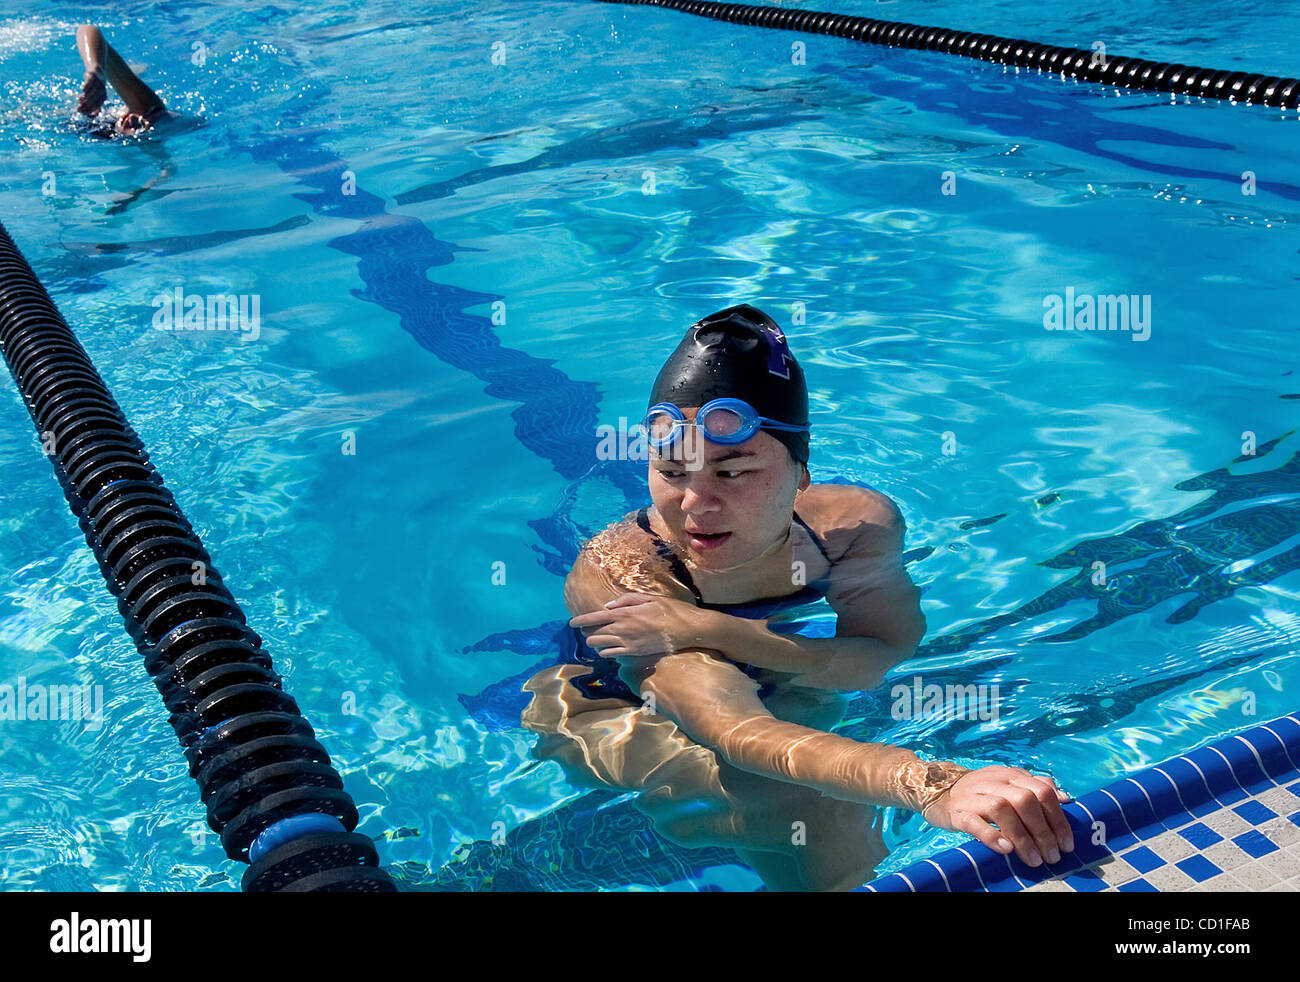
<point>129,124</point>
<point>1026,808</point>
<point>93,93</point>
<point>643,624</point>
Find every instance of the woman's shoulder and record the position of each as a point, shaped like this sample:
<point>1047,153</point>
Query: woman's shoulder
<point>624,555</point>
<point>839,513</point>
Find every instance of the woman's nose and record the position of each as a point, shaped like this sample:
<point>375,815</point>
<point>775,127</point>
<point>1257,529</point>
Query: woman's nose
<point>698,498</point>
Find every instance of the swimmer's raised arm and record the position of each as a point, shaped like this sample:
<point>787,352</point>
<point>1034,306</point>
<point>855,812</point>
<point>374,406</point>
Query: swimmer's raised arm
<point>102,61</point>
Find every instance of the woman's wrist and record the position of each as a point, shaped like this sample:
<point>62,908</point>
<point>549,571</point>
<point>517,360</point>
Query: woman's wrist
<point>935,779</point>
<point>713,630</point>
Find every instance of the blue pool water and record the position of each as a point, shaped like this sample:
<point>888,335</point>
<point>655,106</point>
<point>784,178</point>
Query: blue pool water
<point>500,284</point>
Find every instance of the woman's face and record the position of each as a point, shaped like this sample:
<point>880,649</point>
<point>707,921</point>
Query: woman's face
<point>724,505</point>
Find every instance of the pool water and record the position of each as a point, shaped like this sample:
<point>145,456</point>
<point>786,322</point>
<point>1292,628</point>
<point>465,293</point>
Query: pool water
<point>461,273</point>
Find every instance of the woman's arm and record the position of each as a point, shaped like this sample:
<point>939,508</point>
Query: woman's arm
<point>839,664</point>
<point>717,706</point>
<point>878,624</point>
<point>102,60</point>
<point>879,621</point>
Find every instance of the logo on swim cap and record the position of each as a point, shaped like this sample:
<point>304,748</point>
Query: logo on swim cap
<point>778,351</point>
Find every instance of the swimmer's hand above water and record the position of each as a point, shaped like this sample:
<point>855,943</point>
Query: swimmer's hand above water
<point>93,93</point>
<point>1026,809</point>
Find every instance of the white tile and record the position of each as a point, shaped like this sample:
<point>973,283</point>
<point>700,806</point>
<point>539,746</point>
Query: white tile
<point>1224,883</point>
<point>1279,799</point>
<point>1227,823</point>
<point>1167,879</point>
<point>1284,863</point>
<point>1226,855</point>
<point>1052,886</point>
<point>1115,871</point>
<point>1256,876</point>
<point>1172,847</point>
<point>1281,831</point>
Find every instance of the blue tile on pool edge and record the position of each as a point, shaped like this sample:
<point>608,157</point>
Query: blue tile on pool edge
<point>1133,801</point>
<point>1162,792</point>
<point>924,878</point>
<point>1138,886</point>
<point>1118,843</point>
<point>1204,808</point>
<point>1085,851</point>
<point>1159,828</point>
<point>1245,768</point>
<point>1254,812</point>
<point>1191,786</point>
<point>1200,835</point>
<point>892,883</point>
<point>1255,843</point>
<point>959,869</point>
<point>1085,881</point>
<point>1142,859</point>
<point>1218,773</point>
<point>1097,807</point>
<point>1198,868</point>
<point>1272,751</point>
<point>1005,884</point>
<point>1068,863</point>
<point>1288,728</point>
<point>1081,827</point>
<point>1030,874</point>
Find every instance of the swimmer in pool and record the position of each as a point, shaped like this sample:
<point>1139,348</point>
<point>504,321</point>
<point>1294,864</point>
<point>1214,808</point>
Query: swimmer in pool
<point>678,681</point>
<point>145,110</point>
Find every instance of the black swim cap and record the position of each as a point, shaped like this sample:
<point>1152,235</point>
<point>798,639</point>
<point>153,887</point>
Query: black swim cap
<point>738,353</point>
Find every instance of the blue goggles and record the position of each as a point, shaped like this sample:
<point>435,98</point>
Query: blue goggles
<point>724,421</point>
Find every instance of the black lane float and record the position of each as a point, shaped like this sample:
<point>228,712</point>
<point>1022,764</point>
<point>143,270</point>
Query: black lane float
<point>270,790</point>
<point>1085,65</point>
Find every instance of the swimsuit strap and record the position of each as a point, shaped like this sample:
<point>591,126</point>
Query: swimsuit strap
<point>679,569</point>
<point>814,536</point>
<point>666,552</point>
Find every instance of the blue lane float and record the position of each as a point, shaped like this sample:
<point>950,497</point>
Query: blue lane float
<point>1136,809</point>
<point>268,785</point>
<point>1085,65</point>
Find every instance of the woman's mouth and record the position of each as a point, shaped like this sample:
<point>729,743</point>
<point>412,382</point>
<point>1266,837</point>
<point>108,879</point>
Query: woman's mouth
<point>708,540</point>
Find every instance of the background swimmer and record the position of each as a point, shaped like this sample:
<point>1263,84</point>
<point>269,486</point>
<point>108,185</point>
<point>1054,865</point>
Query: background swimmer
<point>675,605</point>
<point>145,110</point>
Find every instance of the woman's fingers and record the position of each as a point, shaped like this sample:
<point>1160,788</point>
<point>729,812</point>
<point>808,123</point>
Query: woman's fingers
<point>997,809</point>
<point>1032,816</point>
<point>1049,800</point>
<point>977,827</point>
<point>630,600</point>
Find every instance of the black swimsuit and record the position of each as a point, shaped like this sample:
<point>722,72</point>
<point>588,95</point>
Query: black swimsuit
<point>604,681</point>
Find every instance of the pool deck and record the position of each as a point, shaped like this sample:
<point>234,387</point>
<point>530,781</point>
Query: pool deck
<point>1225,817</point>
